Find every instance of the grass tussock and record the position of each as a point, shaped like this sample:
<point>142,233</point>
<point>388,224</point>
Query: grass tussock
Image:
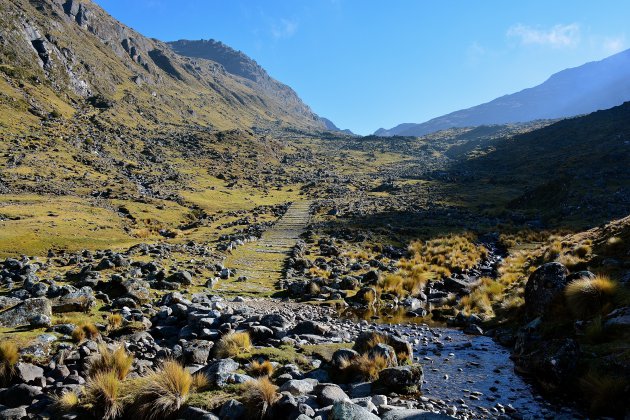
<point>103,395</point>
<point>364,367</point>
<point>482,297</point>
<point>67,401</point>
<point>85,331</point>
<point>9,356</point>
<point>163,392</point>
<point>117,361</point>
<point>432,260</point>
<point>200,382</point>
<point>606,393</point>
<point>259,369</point>
<point>587,298</point>
<point>259,396</point>
<point>114,321</point>
<point>232,344</point>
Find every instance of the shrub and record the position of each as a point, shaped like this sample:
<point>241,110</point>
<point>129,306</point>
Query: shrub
<point>232,344</point>
<point>258,369</point>
<point>9,356</point>
<point>117,361</point>
<point>163,392</point>
<point>586,298</point>
<point>259,396</point>
<point>102,393</point>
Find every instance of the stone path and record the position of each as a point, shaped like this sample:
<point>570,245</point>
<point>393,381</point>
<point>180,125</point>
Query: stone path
<point>262,261</point>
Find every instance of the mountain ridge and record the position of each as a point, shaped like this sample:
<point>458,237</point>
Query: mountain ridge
<point>574,91</point>
<point>57,54</point>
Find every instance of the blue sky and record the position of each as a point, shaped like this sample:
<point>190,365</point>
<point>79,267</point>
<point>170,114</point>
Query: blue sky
<point>367,64</point>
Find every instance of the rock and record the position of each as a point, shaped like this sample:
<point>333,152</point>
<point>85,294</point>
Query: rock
<point>544,286</point>
<point>456,285</point>
<point>298,386</point>
<point>40,321</point>
<point>183,277</point>
<point>365,296</point>
<point>345,410</point>
<point>17,413</point>
<point>197,351</point>
<point>328,394</point>
<point>20,394</point>
<point>310,327</point>
<point>551,362</point>
<point>620,317</point>
<point>401,379</point>
<point>413,414</point>
<point>195,413</point>
<point>28,372</point>
<point>218,367</point>
<point>22,313</point>
<point>274,321</point>
<point>81,300</point>
<point>385,351</point>
<point>379,400</point>
<point>473,329</point>
<point>232,410</point>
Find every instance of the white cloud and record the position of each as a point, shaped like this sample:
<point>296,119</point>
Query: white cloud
<point>284,29</point>
<point>614,45</point>
<point>559,36</point>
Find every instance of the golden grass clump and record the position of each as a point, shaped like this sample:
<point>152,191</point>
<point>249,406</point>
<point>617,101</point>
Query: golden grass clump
<point>364,367</point>
<point>606,393</point>
<point>200,382</point>
<point>9,356</point>
<point>258,369</point>
<point>114,321</point>
<point>587,298</point>
<point>232,344</point>
<point>163,392</point>
<point>259,396</point>
<point>103,395</point>
<point>67,401</point>
<point>85,330</point>
<point>117,361</point>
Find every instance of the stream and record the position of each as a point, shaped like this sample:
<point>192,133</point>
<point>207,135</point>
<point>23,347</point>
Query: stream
<point>471,376</point>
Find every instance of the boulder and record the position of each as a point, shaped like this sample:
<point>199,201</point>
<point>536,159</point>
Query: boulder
<point>328,394</point>
<point>544,286</point>
<point>20,394</point>
<point>27,372</point>
<point>23,313</point>
<point>345,410</point>
<point>182,277</point>
<point>17,413</point>
<point>81,300</point>
<point>401,379</point>
<point>310,327</point>
<point>414,414</point>
<point>298,386</point>
<point>232,410</point>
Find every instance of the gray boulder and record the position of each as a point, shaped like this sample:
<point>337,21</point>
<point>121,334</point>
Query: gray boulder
<point>81,300</point>
<point>345,410</point>
<point>21,314</point>
<point>413,414</point>
<point>328,394</point>
<point>545,286</point>
<point>401,379</point>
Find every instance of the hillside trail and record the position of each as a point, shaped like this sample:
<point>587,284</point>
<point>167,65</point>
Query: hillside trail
<point>262,262</point>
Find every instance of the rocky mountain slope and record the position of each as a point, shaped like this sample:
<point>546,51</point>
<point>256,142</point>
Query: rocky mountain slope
<point>580,90</point>
<point>59,56</point>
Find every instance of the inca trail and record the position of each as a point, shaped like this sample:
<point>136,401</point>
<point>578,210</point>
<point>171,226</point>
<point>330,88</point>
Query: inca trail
<point>261,262</point>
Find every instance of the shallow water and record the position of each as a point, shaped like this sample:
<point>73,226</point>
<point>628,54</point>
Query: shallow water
<point>474,373</point>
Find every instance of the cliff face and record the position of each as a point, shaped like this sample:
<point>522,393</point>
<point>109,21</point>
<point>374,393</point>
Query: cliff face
<point>56,54</point>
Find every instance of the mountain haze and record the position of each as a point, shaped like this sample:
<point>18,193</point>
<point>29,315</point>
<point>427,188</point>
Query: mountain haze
<point>593,86</point>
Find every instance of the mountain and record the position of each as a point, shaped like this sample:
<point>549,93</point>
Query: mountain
<point>332,127</point>
<point>580,90</point>
<point>61,56</point>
